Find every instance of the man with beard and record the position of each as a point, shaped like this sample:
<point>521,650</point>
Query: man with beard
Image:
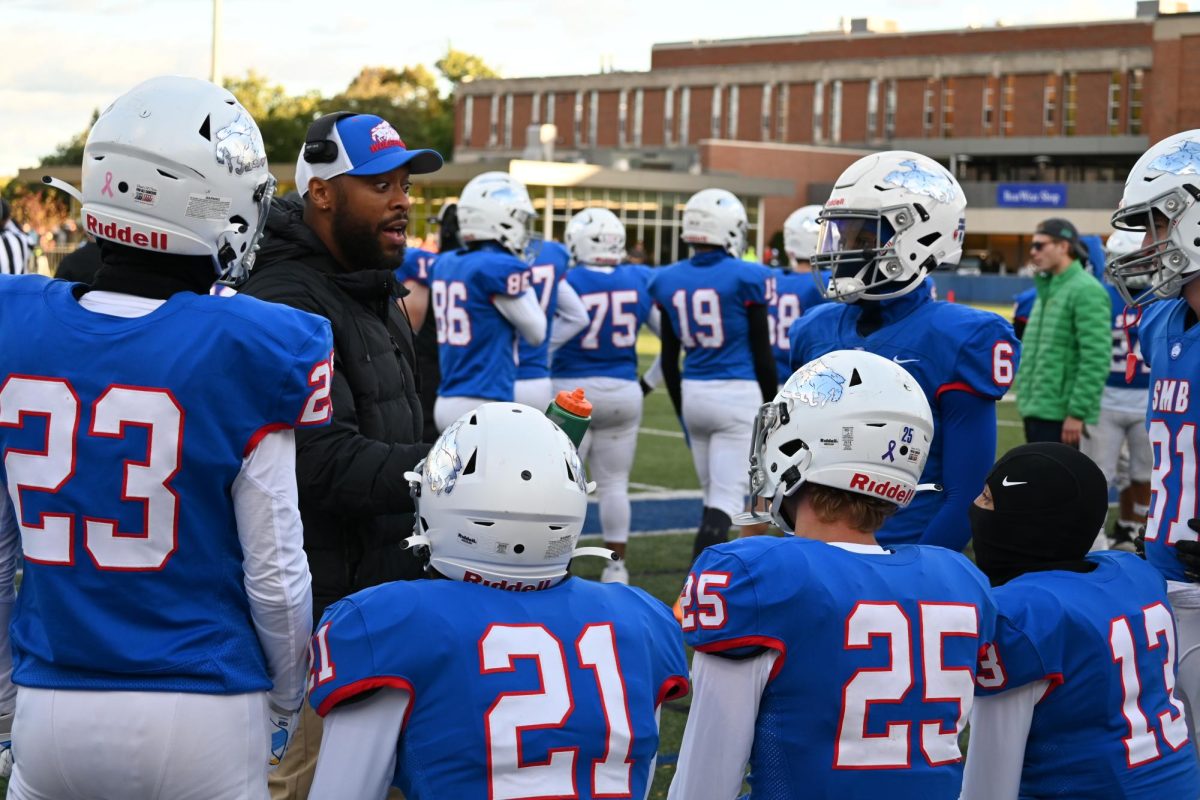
<point>333,252</point>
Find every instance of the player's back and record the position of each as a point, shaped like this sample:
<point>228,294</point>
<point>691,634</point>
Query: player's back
<point>795,293</point>
<point>518,693</point>
<point>477,346</point>
<point>1125,341</point>
<point>1109,725</point>
<point>417,266</point>
<point>877,651</point>
<point>705,300</point>
<point>549,265</point>
<point>618,301</point>
<point>122,438</point>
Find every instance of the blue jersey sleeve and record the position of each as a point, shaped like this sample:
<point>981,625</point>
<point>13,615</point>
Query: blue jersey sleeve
<point>503,275</point>
<point>1152,326</point>
<point>721,605</point>
<point>417,266</point>
<point>757,285</point>
<point>1028,644</point>
<point>987,361</point>
<point>668,656</point>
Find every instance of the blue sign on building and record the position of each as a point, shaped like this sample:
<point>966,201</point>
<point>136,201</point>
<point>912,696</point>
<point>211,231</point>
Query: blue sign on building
<point>1031,195</point>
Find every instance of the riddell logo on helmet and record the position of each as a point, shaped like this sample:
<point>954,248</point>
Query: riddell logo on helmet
<point>125,234</point>
<point>515,586</point>
<point>887,489</point>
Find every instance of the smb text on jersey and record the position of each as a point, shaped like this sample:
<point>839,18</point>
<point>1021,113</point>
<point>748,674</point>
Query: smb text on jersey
<point>945,346</point>
<point>705,298</point>
<point>477,346</point>
<point>1110,724</point>
<point>549,693</point>
<point>877,656</point>
<point>549,266</point>
<point>1173,353</point>
<point>133,567</point>
<point>618,302</point>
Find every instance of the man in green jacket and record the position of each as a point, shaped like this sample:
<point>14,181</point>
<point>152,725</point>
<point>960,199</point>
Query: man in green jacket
<point>1067,346</point>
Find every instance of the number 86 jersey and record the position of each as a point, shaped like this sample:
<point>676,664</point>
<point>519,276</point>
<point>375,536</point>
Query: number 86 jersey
<point>877,653</point>
<point>513,694</point>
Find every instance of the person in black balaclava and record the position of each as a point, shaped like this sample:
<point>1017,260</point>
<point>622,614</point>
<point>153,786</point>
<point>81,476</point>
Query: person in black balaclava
<point>1075,696</point>
<point>1040,509</point>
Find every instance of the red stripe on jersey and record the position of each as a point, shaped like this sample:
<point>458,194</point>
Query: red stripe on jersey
<point>751,641</point>
<point>672,688</point>
<point>957,386</point>
<point>261,434</point>
<point>342,693</point>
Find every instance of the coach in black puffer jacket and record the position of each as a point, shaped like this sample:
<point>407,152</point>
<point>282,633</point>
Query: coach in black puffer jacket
<point>354,500</point>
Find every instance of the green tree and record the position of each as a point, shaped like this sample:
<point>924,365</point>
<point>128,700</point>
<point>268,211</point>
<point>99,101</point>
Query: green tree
<point>459,67</point>
<point>408,98</point>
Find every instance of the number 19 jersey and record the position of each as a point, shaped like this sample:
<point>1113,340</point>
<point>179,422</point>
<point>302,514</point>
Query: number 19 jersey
<point>549,693</point>
<point>122,438</point>
<point>877,656</point>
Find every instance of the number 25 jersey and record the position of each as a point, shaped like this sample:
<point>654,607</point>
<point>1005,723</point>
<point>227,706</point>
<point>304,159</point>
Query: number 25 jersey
<point>877,656</point>
<point>529,694</point>
<point>122,438</point>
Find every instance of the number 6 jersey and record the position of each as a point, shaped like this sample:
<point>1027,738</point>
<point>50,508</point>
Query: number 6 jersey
<point>122,439</point>
<point>515,694</point>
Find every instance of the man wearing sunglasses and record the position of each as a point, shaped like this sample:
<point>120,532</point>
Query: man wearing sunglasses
<point>1067,346</point>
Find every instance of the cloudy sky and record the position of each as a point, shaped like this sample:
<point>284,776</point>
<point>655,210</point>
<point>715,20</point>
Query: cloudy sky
<point>59,59</point>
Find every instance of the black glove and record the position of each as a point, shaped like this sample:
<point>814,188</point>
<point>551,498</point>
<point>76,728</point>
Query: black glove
<point>646,388</point>
<point>1139,542</point>
<point>1189,553</point>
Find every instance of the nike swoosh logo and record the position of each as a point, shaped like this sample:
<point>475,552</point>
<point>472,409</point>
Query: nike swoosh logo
<point>1007,482</point>
<point>905,360</point>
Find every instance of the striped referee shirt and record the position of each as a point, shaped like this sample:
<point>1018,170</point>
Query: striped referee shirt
<point>14,250</point>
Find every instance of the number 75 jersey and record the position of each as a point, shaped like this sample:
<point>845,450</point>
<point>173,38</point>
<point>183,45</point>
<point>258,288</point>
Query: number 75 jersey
<point>532,694</point>
<point>874,680</point>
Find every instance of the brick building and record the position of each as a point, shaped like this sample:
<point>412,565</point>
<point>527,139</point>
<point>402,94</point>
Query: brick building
<point>1029,118</point>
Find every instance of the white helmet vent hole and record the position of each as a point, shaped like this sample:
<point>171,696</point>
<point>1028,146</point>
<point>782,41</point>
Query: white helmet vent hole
<point>204,128</point>
<point>470,468</point>
<point>526,475</point>
<point>518,548</point>
<point>792,447</point>
<point>855,378</point>
<point>928,239</point>
<point>876,424</point>
<point>557,527</point>
<point>472,421</point>
<point>168,175</point>
<point>483,523</point>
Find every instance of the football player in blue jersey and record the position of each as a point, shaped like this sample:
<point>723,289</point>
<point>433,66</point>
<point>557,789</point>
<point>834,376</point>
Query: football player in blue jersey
<point>796,286</point>
<point>528,682</point>
<point>602,360</point>
<point>147,429</point>
<point>890,220</point>
<point>806,644</point>
<point>482,300</point>
<point>1077,689</point>
<point>714,305</point>
<point>565,317</point>
<point>1160,202</point>
<point>1022,308</point>
<point>413,274</point>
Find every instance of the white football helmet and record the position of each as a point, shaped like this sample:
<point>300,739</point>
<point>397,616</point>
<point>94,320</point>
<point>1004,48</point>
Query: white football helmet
<point>177,165</point>
<point>495,207</point>
<point>595,236</point>
<point>800,231</point>
<point>891,219</point>
<point>716,217</point>
<point>501,499</point>
<point>850,420</point>
<point>1160,204</point>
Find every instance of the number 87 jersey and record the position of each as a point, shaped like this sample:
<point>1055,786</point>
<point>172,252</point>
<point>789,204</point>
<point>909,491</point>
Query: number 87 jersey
<point>512,694</point>
<point>873,680</point>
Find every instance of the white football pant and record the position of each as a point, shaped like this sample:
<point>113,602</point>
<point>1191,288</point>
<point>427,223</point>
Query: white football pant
<point>1185,602</point>
<point>609,445</point>
<point>1104,440</point>
<point>535,392</point>
<point>720,421</point>
<point>87,745</point>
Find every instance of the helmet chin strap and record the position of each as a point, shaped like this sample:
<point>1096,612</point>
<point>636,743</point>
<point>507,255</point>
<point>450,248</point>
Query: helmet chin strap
<point>601,552</point>
<point>63,186</point>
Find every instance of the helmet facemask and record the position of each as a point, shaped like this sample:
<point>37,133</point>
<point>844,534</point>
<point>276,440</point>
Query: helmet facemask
<point>1158,269</point>
<point>858,248</point>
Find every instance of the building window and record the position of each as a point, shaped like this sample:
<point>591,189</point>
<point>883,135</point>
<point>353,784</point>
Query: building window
<point>622,116</point>
<point>639,101</point>
<point>781,112</point>
<point>818,119</point>
<point>835,113</point>
<point>1049,105</point>
<point>508,121</point>
<point>1135,101</point>
<point>715,126</point>
<point>669,116</point>
<point>889,111</point>
<point>927,110</point>
<point>685,113</point>
<point>550,108</point>
<point>948,108</point>
<point>764,122</point>
<point>873,108</point>
<point>989,104</point>
<point>593,117</point>
<point>1068,112</point>
<point>468,119</point>
<point>494,122</point>
<point>732,124</point>
<point>1007,101</point>
<point>577,137</point>
<point>1114,104</point>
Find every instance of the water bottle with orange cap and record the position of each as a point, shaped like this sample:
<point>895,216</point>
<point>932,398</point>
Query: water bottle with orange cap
<point>572,412</point>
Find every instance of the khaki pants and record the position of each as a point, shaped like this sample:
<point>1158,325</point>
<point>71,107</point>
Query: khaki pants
<point>293,778</point>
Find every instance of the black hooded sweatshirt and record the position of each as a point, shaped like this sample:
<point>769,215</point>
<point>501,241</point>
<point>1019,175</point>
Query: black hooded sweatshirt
<point>354,500</point>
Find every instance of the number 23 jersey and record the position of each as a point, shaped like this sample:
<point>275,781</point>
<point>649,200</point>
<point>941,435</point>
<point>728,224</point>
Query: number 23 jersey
<point>877,656</point>
<point>549,693</point>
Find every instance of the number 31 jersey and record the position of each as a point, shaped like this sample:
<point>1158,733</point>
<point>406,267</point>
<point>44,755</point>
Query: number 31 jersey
<point>122,438</point>
<point>877,656</point>
<point>549,693</point>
